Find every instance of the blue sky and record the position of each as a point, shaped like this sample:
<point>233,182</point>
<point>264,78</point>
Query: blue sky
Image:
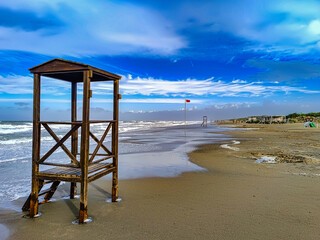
<point>230,58</point>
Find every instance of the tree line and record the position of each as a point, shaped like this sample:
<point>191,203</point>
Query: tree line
<point>295,115</point>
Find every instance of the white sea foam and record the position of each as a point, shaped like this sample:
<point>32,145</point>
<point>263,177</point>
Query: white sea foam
<point>10,129</point>
<point>13,160</point>
<point>24,140</point>
<point>140,125</point>
<point>15,190</point>
<point>229,147</point>
<point>266,159</point>
<point>109,200</point>
<point>8,160</point>
<point>15,141</point>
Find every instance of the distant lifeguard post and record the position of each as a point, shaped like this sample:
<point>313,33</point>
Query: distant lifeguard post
<point>81,166</point>
<point>204,121</point>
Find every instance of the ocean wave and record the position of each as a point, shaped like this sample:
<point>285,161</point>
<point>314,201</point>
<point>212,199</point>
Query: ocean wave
<point>14,159</point>
<point>142,125</point>
<point>23,140</point>
<point>15,190</point>
<point>15,141</point>
<point>15,128</point>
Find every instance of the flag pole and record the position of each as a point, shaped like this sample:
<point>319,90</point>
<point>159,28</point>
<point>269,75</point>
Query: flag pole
<point>185,112</point>
<point>185,117</point>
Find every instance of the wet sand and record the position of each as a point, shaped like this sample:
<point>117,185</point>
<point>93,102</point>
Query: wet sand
<point>235,198</point>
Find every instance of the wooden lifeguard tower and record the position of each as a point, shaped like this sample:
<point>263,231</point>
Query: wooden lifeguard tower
<point>204,121</point>
<point>83,167</point>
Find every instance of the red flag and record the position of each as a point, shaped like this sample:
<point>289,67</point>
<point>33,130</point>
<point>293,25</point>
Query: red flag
<point>187,100</point>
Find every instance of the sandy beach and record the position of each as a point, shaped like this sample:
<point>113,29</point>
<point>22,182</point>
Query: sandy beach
<point>234,198</point>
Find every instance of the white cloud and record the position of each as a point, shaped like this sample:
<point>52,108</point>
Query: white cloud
<point>101,27</point>
<point>314,27</point>
<point>197,87</point>
<point>239,81</point>
<point>17,84</point>
<point>15,99</point>
<point>270,25</point>
<point>174,91</point>
<point>161,100</point>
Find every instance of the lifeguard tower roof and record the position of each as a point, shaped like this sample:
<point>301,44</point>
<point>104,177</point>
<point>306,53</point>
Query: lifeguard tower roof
<point>71,71</point>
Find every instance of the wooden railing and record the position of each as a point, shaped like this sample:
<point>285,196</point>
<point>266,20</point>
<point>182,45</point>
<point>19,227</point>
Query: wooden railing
<point>73,157</point>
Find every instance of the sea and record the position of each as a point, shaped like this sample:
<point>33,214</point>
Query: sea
<point>146,149</point>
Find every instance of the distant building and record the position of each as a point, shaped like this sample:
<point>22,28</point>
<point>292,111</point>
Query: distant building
<point>266,119</point>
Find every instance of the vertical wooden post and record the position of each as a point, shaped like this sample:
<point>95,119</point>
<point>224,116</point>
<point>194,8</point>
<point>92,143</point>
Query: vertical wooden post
<point>35,145</point>
<point>115,140</point>
<point>74,138</point>
<point>84,151</point>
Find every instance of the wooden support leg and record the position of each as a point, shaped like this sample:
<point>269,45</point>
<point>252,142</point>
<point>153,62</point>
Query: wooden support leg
<point>83,213</point>
<point>26,205</point>
<point>84,150</point>
<point>115,185</point>
<point>35,147</point>
<point>73,190</point>
<point>116,97</point>
<point>34,198</point>
<point>74,139</point>
<point>53,188</point>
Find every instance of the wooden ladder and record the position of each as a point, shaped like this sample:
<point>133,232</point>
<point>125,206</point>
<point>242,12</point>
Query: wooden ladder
<point>48,193</point>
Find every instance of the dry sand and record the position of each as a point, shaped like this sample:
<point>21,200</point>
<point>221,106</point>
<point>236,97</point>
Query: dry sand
<point>236,198</point>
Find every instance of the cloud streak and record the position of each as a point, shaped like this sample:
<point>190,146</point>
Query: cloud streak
<point>151,87</point>
<point>197,87</point>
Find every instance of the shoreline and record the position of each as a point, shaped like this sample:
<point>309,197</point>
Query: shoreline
<point>158,138</point>
<point>235,198</point>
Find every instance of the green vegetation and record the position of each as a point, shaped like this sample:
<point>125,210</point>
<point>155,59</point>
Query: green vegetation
<point>296,115</point>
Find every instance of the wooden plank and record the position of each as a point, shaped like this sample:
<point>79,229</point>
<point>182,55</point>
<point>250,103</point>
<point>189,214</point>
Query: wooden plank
<point>75,171</point>
<point>65,66</point>
<point>59,164</point>
<point>51,191</point>
<point>84,150</point>
<point>47,182</point>
<point>101,154</point>
<point>102,159</point>
<point>65,149</point>
<point>44,192</point>
<point>58,144</point>
<point>73,122</point>
<point>55,65</point>
<point>100,143</point>
<point>35,145</point>
<point>74,137</point>
<point>99,166</point>
<point>101,174</point>
<point>98,154</point>
<point>55,177</point>
<point>107,75</point>
<point>115,140</point>
<point>98,121</point>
